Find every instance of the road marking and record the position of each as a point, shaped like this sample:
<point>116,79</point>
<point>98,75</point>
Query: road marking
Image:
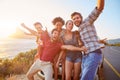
<point>114,50</point>
<point>114,70</point>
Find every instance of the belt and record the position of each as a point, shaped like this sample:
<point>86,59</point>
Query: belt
<point>97,51</point>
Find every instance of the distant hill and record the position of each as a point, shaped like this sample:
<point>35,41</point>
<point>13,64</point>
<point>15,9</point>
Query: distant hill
<point>19,33</point>
<point>113,41</point>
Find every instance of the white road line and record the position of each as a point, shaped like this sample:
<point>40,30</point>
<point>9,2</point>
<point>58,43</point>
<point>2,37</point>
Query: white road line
<point>115,50</point>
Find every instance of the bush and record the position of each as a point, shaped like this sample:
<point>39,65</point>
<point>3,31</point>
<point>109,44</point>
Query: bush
<point>18,65</point>
<point>5,67</point>
<point>116,44</point>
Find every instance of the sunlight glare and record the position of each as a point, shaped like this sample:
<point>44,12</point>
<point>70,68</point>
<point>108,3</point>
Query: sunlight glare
<point>7,28</point>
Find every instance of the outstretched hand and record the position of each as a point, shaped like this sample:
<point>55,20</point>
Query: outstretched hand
<point>103,41</point>
<point>23,25</point>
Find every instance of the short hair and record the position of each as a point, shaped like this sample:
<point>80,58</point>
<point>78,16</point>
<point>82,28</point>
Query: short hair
<point>58,19</point>
<point>54,30</point>
<point>76,13</point>
<point>37,23</point>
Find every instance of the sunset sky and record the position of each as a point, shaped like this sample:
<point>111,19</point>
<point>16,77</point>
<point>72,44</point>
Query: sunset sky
<point>15,12</point>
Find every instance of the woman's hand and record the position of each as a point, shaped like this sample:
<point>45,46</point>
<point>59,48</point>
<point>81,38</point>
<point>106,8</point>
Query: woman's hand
<point>84,49</point>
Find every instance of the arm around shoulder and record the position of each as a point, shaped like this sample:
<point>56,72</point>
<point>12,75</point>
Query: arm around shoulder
<point>73,48</point>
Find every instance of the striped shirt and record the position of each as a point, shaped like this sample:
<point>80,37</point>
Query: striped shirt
<point>88,32</point>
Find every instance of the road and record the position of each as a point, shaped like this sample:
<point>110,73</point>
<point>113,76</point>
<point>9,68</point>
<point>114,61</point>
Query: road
<point>111,69</point>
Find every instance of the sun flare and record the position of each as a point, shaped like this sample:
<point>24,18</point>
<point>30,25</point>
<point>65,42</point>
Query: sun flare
<point>6,33</point>
<point>7,28</point>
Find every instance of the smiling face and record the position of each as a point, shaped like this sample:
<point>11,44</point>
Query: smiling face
<point>69,25</point>
<point>58,22</point>
<point>77,20</point>
<point>38,26</point>
<point>58,25</point>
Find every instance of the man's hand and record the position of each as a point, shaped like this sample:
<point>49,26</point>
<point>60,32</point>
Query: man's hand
<point>37,56</point>
<point>103,41</point>
<point>100,4</point>
<point>57,64</point>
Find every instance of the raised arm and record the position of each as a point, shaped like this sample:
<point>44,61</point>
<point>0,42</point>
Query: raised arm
<point>30,30</point>
<point>95,13</point>
<point>100,5</point>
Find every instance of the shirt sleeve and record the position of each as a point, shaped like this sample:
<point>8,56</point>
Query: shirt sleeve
<point>92,16</point>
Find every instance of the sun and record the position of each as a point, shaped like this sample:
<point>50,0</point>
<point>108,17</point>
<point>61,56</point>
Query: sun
<point>5,33</point>
<point>7,28</point>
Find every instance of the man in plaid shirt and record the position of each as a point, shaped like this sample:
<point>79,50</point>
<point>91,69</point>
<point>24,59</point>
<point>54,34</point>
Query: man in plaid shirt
<point>92,58</point>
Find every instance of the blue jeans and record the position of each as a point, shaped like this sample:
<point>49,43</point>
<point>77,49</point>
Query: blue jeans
<point>90,63</point>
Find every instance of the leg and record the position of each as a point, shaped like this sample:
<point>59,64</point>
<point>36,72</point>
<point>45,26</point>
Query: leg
<point>77,70</point>
<point>90,64</point>
<point>55,68</point>
<point>48,71</point>
<point>63,70</point>
<point>68,70</point>
<point>33,69</point>
<point>31,76</point>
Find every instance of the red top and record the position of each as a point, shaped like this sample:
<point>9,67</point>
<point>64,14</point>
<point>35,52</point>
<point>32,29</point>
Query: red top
<point>50,49</point>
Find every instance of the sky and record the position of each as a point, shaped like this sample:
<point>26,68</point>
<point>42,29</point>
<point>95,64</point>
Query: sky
<point>15,12</point>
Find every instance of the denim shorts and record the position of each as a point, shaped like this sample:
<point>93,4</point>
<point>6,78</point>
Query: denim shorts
<point>74,60</point>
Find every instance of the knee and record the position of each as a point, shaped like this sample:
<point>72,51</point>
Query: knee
<point>68,77</point>
<point>75,77</point>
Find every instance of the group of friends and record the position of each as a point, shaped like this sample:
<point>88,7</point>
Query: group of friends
<point>81,49</point>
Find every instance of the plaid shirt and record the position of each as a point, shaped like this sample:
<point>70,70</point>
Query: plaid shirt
<point>88,32</point>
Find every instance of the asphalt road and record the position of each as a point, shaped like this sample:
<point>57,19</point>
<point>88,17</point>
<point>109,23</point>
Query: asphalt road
<point>111,67</point>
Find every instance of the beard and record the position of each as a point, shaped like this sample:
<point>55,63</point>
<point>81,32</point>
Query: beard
<point>77,23</point>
